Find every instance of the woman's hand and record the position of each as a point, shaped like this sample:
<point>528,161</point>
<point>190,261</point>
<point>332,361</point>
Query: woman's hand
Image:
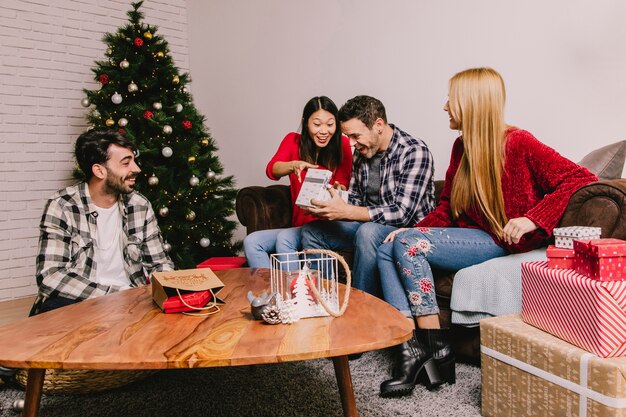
<point>298,166</point>
<point>516,228</point>
<point>391,236</point>
<point>338,186</point>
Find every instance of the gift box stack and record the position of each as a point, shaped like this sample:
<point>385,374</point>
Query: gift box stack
<point>579,296</point>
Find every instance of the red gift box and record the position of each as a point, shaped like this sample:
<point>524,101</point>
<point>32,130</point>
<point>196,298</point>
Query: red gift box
<point>560,258</point>
<point>221,263</point>
<point>196,299</point>
<point>585,312</point>
<point>601,259</point>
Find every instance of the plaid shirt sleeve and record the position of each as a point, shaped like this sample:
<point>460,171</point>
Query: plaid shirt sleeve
<point>64,261</point>
<point>407,188</point>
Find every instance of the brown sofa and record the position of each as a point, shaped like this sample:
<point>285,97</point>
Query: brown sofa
<point>601,204</point>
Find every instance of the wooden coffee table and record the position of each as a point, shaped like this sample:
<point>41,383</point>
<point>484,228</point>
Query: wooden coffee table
<point>127,331</point>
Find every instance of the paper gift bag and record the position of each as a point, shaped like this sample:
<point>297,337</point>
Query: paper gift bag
<point>186,281</point>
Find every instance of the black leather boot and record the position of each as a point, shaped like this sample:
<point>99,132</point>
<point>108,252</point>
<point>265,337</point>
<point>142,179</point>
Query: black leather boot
<point>414,362</point>
<point>441,351</point>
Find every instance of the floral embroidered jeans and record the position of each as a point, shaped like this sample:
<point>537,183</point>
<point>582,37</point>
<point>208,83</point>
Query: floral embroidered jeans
<point>405,264</point>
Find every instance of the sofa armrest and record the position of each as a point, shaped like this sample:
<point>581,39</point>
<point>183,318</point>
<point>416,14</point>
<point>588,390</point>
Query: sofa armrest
<point>261,208</point>
<point>600,204</point>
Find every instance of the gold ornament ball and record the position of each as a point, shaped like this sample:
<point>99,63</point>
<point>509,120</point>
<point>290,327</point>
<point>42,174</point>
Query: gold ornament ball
<point>191,216</point>
<point>204,142</point>
<point>147,35</point>
<point>175,80</point>
<point>110,122</point>
<point>160,54</point>
<point>191,159</point>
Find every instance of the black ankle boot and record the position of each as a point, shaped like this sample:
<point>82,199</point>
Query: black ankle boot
<point>439,346</point>
<point>414,361</point>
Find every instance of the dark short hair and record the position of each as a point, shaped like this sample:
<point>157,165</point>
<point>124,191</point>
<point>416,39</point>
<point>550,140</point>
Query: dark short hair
<point>365,108</point>
<point>92,147</point>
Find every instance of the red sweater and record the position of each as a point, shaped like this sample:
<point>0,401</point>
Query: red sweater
<point>537,183</point>
<point>289,151</point>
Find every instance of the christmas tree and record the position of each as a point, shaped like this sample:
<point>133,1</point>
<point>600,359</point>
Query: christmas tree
<point>145,98</point>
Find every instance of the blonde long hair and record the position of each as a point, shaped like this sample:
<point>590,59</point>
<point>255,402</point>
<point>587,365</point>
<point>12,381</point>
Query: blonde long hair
<point>476,102</point>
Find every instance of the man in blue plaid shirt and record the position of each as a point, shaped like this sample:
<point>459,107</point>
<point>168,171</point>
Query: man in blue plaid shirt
<point>98,236</point>
<point>392,186</point>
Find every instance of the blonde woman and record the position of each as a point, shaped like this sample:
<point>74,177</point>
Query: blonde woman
<point>504,192</point>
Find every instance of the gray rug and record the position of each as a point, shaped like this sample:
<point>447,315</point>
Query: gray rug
<point>306,388</point>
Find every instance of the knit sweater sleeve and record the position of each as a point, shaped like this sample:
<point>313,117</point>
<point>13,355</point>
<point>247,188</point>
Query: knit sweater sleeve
<point>287,151</point>
<point>441,216</point>
<point>556,176</point>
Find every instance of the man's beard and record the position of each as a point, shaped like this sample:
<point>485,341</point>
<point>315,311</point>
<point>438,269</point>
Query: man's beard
<point>118,185</point>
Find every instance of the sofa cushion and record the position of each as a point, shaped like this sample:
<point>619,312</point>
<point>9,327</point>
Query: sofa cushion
<point>606,162</point>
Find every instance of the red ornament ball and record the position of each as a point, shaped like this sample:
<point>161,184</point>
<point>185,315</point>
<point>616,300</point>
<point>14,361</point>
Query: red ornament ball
<point>187,124</point>
<point>121,131</point>
<point>104,78</point>
<point>148,115</point>
<point>138,42</point>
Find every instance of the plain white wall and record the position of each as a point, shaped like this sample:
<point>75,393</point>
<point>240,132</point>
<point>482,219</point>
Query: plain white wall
<point>254,64</point>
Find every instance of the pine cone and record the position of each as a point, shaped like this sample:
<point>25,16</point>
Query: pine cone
<point>271,315</point>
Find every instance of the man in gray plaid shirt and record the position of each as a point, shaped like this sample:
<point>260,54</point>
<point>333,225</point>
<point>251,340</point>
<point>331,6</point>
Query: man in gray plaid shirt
<point>98,236</point>
<point>392,186</point>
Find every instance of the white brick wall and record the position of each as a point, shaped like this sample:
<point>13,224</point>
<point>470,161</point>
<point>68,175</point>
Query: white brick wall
<point>47,50</point>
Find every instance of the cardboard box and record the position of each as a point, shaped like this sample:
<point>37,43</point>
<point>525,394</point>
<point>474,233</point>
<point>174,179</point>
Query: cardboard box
<point>602,259</point>
<point>527,372</point>
<point>564,236</point>
<point>588,313</point>
<point>560,258</point>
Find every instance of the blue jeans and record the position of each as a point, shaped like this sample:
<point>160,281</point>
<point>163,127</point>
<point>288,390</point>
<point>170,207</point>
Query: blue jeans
<point>405,264</point>
<point>365,238</point>
<point>258,245</point>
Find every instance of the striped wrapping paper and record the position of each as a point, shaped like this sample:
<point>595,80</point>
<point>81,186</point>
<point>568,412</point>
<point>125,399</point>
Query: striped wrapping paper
<point>588,313</point>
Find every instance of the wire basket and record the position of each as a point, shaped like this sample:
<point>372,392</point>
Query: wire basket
<point>68,381</point>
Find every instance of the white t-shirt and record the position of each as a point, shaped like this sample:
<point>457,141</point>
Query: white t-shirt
<point>108,248</point>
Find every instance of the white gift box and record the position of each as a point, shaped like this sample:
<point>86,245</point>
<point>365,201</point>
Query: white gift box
<point>315,186</point>
<point>564,236</point>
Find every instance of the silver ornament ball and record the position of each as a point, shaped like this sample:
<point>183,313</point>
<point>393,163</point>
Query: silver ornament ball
<point>132,87</point>
<point>191,216</point>
<point>153,180</point>
<point>124,64</point>
<point>185,90</point>
<point>167,152</point>
<point>122,122</point>
<point>116,98</point>
<point>210,174</point>
<point>85,102</point>
<point>157,106</point>
<point>179,108</point>
<point>205,242</point>
<point>164,211</point>
<point>167,247</point>
<point>193,181</point>
<point>167,129</point>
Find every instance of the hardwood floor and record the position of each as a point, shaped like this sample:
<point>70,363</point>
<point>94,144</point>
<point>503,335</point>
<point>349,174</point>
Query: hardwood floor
<point>15,309</point>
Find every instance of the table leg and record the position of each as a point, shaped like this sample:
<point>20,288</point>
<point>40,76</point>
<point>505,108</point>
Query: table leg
<point>344,381</point>
<point>34,386</point>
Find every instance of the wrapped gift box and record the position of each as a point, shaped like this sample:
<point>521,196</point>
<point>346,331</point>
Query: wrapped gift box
<point>602,259</point>
<point>588,313</point>
<point>220,263</point>
<point>564,236</point>
<point>527,372</point>
<point>560,258</point>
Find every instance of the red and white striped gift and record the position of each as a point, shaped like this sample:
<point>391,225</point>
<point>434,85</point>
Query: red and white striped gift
<point>588,313</point>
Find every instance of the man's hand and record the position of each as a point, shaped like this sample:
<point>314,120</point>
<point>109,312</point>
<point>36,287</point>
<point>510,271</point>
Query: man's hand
<point>333,209</point>
<point>516,228</point>
<point>391,236</point>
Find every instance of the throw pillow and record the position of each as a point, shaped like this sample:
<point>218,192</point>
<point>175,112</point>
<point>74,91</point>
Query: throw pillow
<point>607,162</point>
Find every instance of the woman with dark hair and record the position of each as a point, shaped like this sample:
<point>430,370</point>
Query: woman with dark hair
<point>504,192</point>
<point>320,145</point>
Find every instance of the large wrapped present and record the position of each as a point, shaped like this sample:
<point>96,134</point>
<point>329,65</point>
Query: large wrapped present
<point>560,258</point>
<point>588,313</point>
<point>564,236</point>
<point>527,372</point>
<point>602,259</point>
